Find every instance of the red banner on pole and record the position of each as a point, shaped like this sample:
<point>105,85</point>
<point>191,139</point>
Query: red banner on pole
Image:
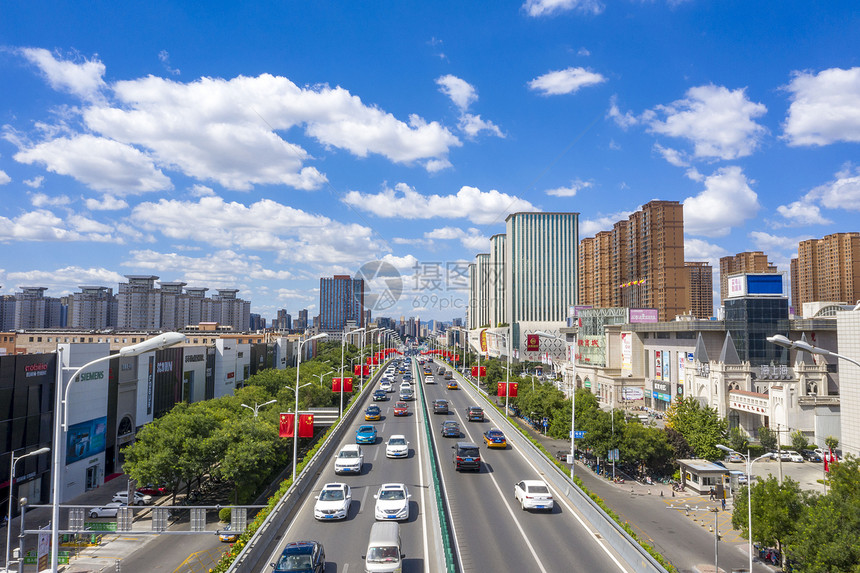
<point>533,342</point>
<point>356,369</point>
<point>368,360</point>
<point>366,370</point>
<point>500,389</point>
<point>456,358</point>
<point>306,426</point>
<point>478,373</point>
<point>512,391</point>
<point>336,382</point>
<point>287,426</point>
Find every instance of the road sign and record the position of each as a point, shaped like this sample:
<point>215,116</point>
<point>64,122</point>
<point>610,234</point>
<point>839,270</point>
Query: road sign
<point>578,435</point>
<point>612,455</point>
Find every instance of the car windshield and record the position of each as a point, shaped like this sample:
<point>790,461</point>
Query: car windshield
<point>348,454</point>
<point>364,429</point>
<point>469,452</point>
<point>331,495</point>
<point>389,494</point>
<point>538,489</point>
<point>383,554</point>
<point>494,434</point>
<point>397,442</point>
<point>450,424</point>
<point>295,563</point>
<point>401,405</point>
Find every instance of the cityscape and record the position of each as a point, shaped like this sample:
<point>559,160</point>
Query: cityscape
<point>269,267</point>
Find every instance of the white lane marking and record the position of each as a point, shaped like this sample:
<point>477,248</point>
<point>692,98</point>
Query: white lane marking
<point>345,567</point>
<point>364,498</point>
<point>375,453</point>
<point>423,485</point>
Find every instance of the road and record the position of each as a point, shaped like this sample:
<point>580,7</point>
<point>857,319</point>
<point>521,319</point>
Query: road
<point>492,532</point>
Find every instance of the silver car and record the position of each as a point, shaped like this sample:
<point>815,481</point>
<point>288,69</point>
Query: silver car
<point>107,510</point>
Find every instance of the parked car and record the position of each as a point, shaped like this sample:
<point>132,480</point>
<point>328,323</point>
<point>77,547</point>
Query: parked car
<point>475,414</point>
<point>153,490</point>
<point>734,457</point>
<point>810,455</point>
<point>392,502</point>
<point>533,494</point>
<point>365,434</point>
<point>467,456</point>
<point>791,456</point>
<point>107,510</point>
<point>495,438</point>
<point>139,498</point>
<point>450,429</point>
<point>440,406</point>
<point>333,502</point>
<point>304,556</point>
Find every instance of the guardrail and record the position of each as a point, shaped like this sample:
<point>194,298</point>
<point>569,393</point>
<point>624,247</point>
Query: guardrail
<point>264,542</point>
<point>448,546</point>
<point>627,548</point>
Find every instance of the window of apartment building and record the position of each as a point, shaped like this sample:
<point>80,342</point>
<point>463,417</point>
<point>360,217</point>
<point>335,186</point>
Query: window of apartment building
<point>31,339</point>
<point>133,340</point>
<point>91,338</point>
<point>195,341</point>
<point>124,340</point>
<point>38,339</point>
<point>662,335</point>
<point>66,339</point>
<point>685,335</point>
<point>49,339</point>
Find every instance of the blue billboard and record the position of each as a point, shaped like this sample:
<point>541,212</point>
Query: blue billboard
<point>85,439</point>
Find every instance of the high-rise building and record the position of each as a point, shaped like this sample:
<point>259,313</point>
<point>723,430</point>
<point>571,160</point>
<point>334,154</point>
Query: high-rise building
<point>91,308</point>
<point>741,263</point>
<point>230,310</point>
<point>139,303</point>
<point>301,323</point>
<point>195,306</point>
<point>173,316</point>
<point>472,318</point>
<point>341,301</point>
<point>640,264</point>
<point>7,313</point>
<point>826,269</point>
<point>700,289</point>
<point>541,272</point>
<point>34,310</point>
<point>496,281</point>
<point>482,303</point>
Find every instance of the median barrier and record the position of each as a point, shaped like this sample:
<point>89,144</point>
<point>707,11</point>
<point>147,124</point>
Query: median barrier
<point>255,554</point>
<point>636,557</point>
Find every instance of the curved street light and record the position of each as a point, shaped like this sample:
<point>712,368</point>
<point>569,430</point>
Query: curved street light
<point>781,340</point>
<point>61,419</point>
<point>12,464</point>
<point>256,407</point>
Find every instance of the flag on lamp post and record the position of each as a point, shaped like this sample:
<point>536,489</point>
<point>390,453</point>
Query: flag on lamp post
<point>306,426</point>
<point>478,371</point>
<point>500,389</point>
<point>287,422</point>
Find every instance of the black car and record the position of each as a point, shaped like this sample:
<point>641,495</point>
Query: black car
<point>467,456</point>
<point>440,406</point>
<point>301,556</point>
<point>810,455</point>
<point>380,396</point>
<point>450,429</point>
<point>475,414</point>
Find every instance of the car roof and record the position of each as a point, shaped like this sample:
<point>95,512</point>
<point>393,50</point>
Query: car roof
<point>334,485</point>
<point>494,430</point>
<point>366,428</point>
<point>393,486</point>
<point>299,547</point>
<point>531,482</point>
<point>397,436</point>
<point>350,447</point>
<point>466,445</point>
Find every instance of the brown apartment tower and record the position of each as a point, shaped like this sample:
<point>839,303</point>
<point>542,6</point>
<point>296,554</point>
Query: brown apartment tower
<point>741,263</point>
<point>700,289</point>
<point>826,269</point>
<point>639,263</point>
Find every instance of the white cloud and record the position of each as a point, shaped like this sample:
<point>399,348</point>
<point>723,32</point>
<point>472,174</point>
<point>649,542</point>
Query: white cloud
<point>472,125</point>
<point>719,122</point>
<point>699,250</point>
<point>220,269</point>
<point>565,81</point>
<point>623,120</point>
<point>403,201</point>
<point>471,238</point>
<point>201,191</point>
<point>164,57</point>
<point>583,52</point>
<point>769,243</point>
<point>575,186</point>
<point>44,200</point>
<point>405,262</point>
<point>825,107</point>
<point>673,156</point>
<point>538,8</point>
<point>102,164</point>
<point>58,280</point>
<point>4,178</point>
<point>107,203</point>
<point>461,92</point>
<point>35,182</point>
<point>802,213</point>
<point>82,79</point>
<point>590,227</point>
<point>843,192</point>
<point>44,226</point>
<point>294,235</point>
<point>727,201</point>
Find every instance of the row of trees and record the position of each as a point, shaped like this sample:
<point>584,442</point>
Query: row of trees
<point>222,439</point>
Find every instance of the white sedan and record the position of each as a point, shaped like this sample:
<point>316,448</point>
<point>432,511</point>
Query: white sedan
<point>397,447</point>
<point>333,502</point>
<point>533,494</point>
<point>392,502</point>
<point>386,386</point>
<point>107,510</point>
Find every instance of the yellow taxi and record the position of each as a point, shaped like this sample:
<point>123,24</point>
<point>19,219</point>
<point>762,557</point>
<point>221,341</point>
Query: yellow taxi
<point>452,385</point>
<point>372,413</point>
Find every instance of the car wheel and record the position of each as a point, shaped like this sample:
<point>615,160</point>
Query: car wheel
<point>139,503</point>
<point>94,515</point>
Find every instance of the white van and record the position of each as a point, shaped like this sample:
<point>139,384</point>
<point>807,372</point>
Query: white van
<point>383,549</point>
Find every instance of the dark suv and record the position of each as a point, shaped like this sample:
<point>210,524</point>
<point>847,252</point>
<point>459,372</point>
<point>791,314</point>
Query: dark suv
<point>475,414</point>
<point>440,406</point>
<point>467,456</point>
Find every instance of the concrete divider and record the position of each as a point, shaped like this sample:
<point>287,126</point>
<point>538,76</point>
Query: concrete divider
<point>625,546</point>
<point>254,556</point>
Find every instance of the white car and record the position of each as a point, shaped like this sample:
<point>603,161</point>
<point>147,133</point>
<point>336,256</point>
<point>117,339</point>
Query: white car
<point>349,460</point>
<point>333,502</point>
<point>429,380</point>
<point>533,494</point>
<point>108,510</point>
<point>791,456</point>
<point>392,502</point>
<point>397,447</point>
<point>139,498</point>
<point>386,386</point>
<point>405,386</point>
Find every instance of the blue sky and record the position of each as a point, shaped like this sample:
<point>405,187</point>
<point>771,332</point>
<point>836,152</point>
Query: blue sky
<point>259,147</point>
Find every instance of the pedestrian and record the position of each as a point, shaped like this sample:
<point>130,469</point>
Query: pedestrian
<point>711,494</point>
<point>723,503</point>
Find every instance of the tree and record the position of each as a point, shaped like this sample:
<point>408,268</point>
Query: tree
<point>767,438</point>
<point>738,439</point>
<point>702,427</point>
<point>680,448</point>
<point>831,442</point>
<point>646,446</point>
<point>776,510</point>
<point>799,441</point>
<point>826,535</point>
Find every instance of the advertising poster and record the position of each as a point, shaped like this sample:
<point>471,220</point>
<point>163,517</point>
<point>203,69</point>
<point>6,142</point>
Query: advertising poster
<point>626,352</point>
<point>658,365</point>
<point>532,343</point>
<point>682,363</point>
<point>667,366</point>
<point>85,439</point>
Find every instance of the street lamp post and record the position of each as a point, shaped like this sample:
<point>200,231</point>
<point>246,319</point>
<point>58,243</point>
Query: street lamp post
<point>61,419</point>
<point>12,463</point>
<point>321,376</point>
<point>256,407</point>
<point>296,411</point>
<point>750,462</point>
<point>342,344</point>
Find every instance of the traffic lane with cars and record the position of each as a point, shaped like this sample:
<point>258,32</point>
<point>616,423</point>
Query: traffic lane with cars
<point>491,529</point>
<point>346,541</point>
